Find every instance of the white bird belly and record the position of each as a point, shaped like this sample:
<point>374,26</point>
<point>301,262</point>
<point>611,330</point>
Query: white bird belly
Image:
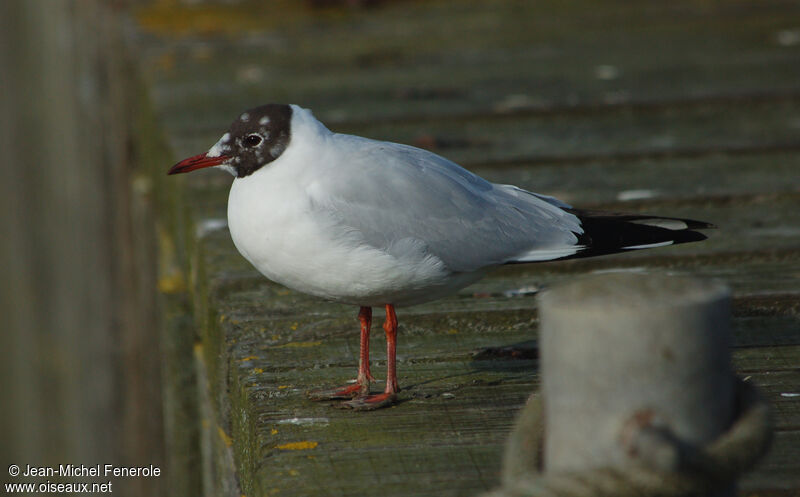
<point>277,232</point>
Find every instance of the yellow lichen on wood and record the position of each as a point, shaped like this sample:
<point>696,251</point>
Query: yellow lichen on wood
<point>226,439</point>
<point>305,445</point>
<point>172,283</point>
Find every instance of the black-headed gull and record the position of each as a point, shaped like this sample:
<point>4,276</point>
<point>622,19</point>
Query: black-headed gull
<point>373,223</point>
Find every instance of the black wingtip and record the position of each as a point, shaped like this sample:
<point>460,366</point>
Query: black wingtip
<point>687,236</point>
<point>609,232</point>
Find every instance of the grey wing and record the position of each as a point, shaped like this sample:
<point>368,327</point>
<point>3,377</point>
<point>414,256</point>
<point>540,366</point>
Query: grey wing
<point>399,197</point>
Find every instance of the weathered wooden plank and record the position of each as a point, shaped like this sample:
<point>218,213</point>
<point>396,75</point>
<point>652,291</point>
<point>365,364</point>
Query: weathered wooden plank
<point>443,369</point>
<point>452,334</point>
<point>409,472</point>
<point>328,441</point>
<point>465,473</point>
<point>711,127</point>
<point>617,181</point>
<point>495,56</point>
<point>780,469</point>
<point>759,359</point>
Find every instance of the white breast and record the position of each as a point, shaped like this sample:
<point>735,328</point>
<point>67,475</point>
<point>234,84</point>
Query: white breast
<point>276,225</point>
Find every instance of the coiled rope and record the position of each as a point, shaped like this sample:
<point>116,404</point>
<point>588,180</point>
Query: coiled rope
<point>693,471</point>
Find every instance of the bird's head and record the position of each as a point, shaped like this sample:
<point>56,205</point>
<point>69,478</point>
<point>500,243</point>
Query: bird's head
<point>256,138</point>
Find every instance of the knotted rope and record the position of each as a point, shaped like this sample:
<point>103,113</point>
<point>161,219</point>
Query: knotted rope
<point>687,471</point>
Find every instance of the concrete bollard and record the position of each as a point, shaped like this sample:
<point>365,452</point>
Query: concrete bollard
<point>638,396</point>
<point>623,351</point>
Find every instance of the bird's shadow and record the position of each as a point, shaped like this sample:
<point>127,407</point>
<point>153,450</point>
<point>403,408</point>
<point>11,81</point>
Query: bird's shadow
<point>519,360</point>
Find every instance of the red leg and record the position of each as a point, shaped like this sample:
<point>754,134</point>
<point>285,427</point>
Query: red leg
<point>364,376</point>
<point>389,395</point>
<point>361,386</point>
<point>390,327</point>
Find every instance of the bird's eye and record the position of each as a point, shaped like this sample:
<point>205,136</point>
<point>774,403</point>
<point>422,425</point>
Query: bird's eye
<point>252,140</point>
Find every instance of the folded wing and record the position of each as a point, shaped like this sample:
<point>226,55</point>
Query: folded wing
<point>396,196</point>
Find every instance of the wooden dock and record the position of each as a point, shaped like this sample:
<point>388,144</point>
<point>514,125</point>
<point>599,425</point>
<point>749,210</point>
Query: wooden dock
<point>682,108</point>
